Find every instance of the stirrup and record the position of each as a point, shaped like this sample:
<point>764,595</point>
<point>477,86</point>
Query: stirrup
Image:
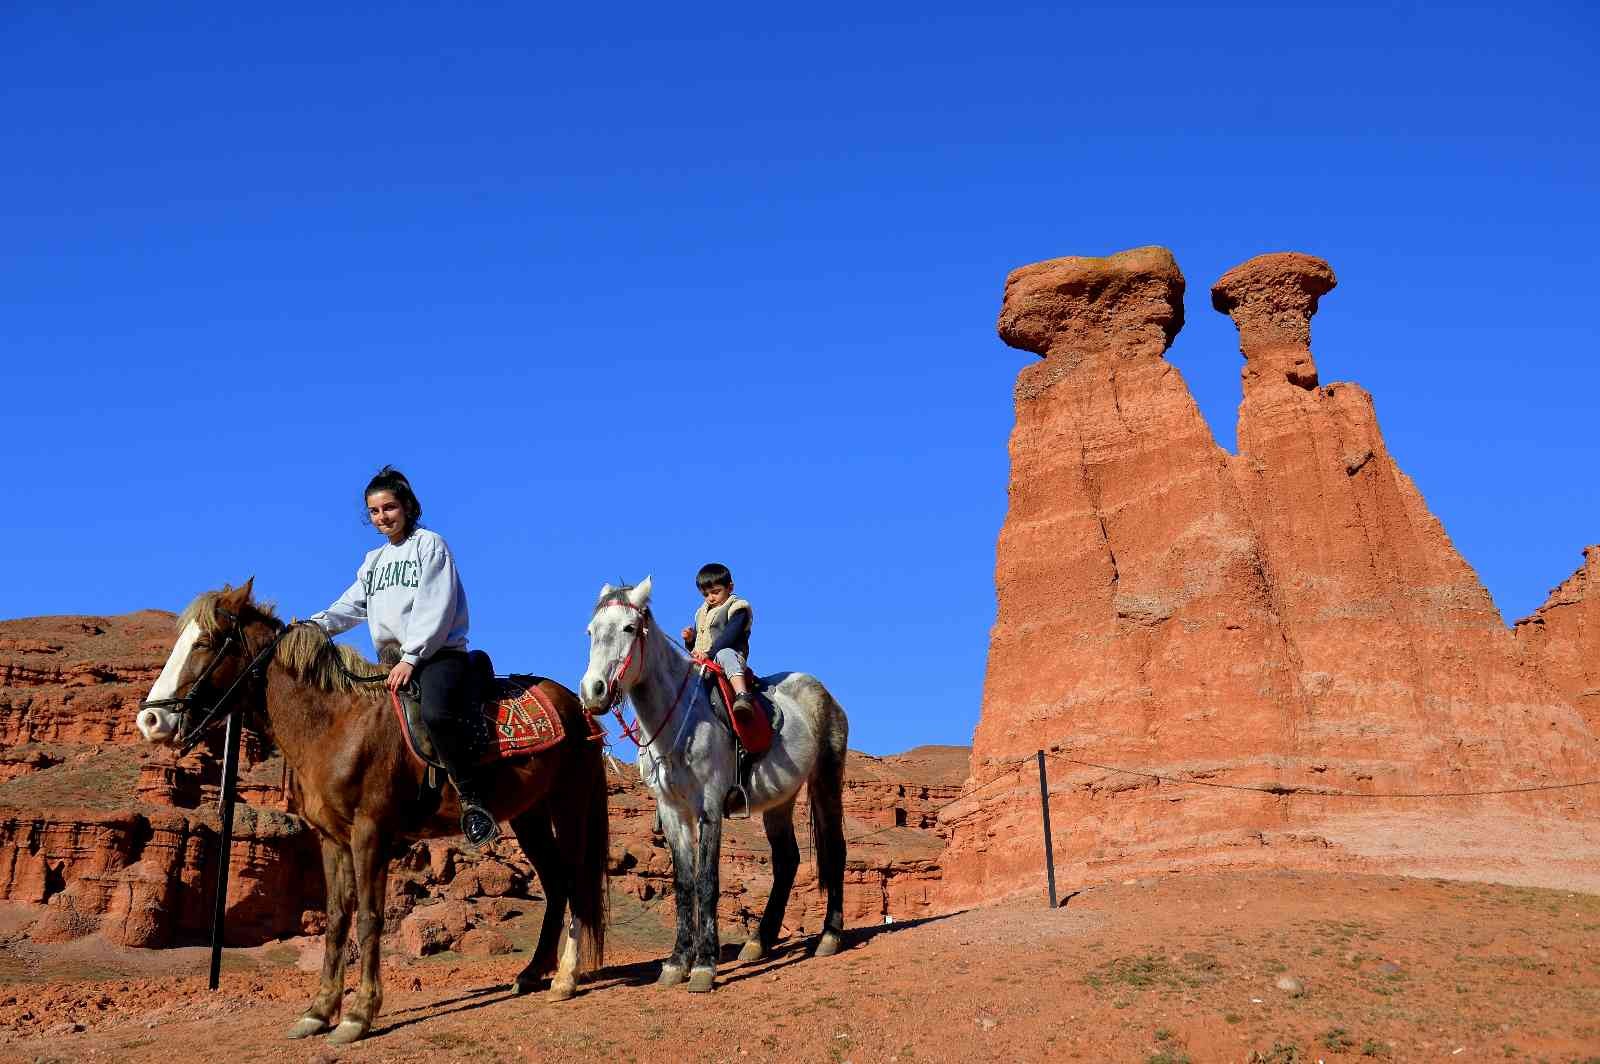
<point>729,808</point>
<point>478,825</point>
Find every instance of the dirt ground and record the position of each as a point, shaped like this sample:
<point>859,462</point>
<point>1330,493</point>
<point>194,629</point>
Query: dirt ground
<point>1158,970</point>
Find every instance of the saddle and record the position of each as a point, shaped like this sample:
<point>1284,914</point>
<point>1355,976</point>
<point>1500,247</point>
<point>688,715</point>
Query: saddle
<point>752,730</point>
<point>512,718</point>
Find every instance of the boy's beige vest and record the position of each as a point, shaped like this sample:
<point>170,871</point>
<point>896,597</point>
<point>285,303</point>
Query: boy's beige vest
<point>708,625</point>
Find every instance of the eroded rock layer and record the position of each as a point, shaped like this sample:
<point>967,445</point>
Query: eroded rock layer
<point>107,836</point>
<point>1290,618</point>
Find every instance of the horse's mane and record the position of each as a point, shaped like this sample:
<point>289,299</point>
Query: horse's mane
<point>304,651</point>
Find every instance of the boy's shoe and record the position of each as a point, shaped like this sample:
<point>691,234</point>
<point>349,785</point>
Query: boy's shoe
<point>744,703</point>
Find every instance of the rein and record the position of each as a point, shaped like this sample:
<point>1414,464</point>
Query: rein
<point>635,731</point>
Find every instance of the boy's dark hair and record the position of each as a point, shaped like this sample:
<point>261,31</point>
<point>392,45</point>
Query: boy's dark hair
<point>393,481</point>
<point>713,575</point>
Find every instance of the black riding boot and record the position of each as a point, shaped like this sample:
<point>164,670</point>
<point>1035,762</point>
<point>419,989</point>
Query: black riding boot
<point>477,823</point>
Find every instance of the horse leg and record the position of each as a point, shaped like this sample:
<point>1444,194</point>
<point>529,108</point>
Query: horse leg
<point>827,825</point>
<point>707,884</point>
<point>564,983</point>
<point>370,858</point>
<point>680,840</point>
<point>532,829</point>
<point>582,830</point>
<point>341,890</point>
<point>779,823</point>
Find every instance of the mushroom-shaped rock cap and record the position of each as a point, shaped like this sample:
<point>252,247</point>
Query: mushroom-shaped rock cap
<point>1271,298</point>
<point>1131,302</point>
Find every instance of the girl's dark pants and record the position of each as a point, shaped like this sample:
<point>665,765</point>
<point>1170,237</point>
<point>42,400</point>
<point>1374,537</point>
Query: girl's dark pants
<point>446,691</point>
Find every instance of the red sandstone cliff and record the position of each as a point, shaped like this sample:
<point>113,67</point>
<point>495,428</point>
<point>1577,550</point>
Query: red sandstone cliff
<point>1290,617</point>
<point>1562,637</point>
<point>108,836</point>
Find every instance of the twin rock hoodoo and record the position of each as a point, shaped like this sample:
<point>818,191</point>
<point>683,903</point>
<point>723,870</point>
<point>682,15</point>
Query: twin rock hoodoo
<point>1290,617</point>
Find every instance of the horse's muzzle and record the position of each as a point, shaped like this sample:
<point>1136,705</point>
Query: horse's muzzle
<point>592,695</point>
<point>156,725</point>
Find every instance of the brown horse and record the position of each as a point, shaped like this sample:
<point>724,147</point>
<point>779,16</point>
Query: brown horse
<point>354,780</point>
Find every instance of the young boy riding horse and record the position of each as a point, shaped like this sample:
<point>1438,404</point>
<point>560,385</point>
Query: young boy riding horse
<point>721,631</point>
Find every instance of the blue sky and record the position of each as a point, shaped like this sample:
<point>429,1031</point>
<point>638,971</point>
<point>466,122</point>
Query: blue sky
<point>626,290</point>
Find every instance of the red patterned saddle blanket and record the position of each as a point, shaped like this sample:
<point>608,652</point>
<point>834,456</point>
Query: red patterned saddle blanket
<point>516,720</point>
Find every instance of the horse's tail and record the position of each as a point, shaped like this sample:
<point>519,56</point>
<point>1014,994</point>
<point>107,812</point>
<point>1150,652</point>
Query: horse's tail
<point>590,880</point>
<point>825,791</point>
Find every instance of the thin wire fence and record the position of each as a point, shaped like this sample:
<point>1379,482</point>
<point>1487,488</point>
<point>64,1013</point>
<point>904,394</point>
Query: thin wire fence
<point>1274,789</point>
<point>1282,790</point>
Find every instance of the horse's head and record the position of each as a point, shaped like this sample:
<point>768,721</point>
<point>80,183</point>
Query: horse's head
<point>616,645</point>
<point>211,654</point>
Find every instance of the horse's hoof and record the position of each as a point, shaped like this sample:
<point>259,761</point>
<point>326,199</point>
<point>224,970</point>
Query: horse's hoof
<point>701,980</point>
<point>671,975</point>
<point>525,984</point>
<point>306,1026</point>
<point>560,991</point>
<point>828,944</point>
<point>348,1031</point>
<point>753,951</point>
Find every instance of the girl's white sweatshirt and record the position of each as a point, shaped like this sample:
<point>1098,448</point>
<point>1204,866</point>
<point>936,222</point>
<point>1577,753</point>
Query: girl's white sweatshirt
<point>409,595</point>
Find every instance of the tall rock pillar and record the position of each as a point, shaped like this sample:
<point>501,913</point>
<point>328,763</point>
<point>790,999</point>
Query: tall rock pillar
<point>1409,677</point>
<point>1134,622</point>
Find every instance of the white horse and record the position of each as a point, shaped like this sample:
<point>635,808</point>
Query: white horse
<point>686,758</point>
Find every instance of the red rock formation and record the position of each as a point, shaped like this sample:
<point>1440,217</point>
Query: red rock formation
<point>78,679</point>
<point>110,837</point>
<point>1562,637</point>
<point>1292,617</point>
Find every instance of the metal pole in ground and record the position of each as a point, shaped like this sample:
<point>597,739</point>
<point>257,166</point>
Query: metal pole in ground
<point>1049,849</point>
<point>230,788</point>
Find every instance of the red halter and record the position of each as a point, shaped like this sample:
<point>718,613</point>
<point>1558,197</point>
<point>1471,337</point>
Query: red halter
<point>634,731</point>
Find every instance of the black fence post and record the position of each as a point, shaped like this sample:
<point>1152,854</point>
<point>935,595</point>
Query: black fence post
<point>230,788</point>
<point>1049,849</point>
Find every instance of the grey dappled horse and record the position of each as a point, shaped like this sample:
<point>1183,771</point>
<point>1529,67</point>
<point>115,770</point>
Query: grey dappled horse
<point>686,758</point>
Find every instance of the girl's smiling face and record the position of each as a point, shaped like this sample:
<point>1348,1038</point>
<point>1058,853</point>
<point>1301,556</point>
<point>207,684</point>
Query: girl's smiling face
<point>387,515</point>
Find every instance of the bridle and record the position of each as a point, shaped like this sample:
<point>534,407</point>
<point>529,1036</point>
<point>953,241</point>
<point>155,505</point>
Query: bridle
<point>635,731</point>
<point>188,736</point>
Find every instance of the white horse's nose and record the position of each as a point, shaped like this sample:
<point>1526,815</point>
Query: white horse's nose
<point>594,691</point>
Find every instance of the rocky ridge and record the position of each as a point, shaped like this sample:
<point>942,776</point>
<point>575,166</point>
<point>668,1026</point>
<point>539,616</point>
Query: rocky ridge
<point>103,835</point>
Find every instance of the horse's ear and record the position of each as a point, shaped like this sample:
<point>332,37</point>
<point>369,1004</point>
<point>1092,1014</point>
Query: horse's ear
<point>237,598</point>
<point>606,589</point>
<point>640,594</point>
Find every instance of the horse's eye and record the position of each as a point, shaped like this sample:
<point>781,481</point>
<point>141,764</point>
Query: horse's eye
<point>628,628</point>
